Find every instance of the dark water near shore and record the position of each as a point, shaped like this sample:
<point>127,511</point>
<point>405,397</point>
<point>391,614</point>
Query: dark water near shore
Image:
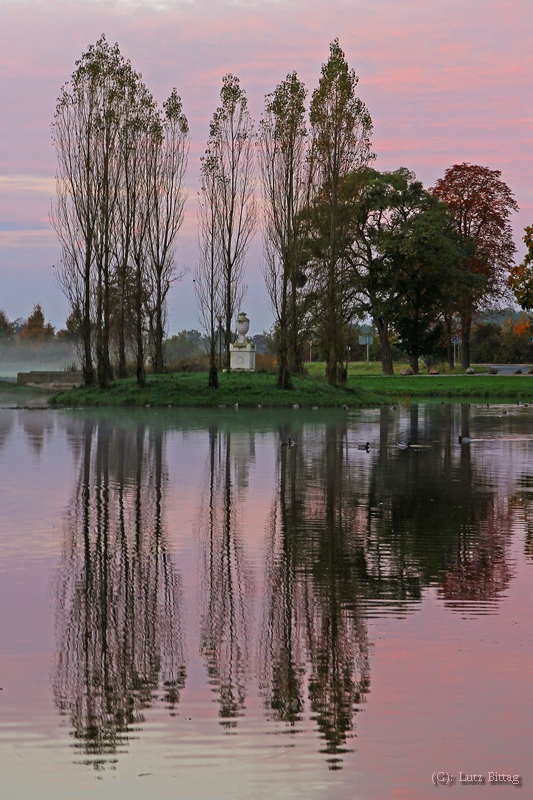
<point>190,610</point>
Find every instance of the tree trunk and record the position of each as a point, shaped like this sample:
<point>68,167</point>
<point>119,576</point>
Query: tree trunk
<point>107,373</point>
<point>140,371</point>
<point>449,345</point>
<point>88,369</point>
<point>466,326</point>
<point>228,334</point>
<point>159,359</point>
<point>386,355</point>
<point>121,333</point>
<point>284,375</point>
<point>213,371</point>
<point>414,363</point>
<point>331,373</point>
<point>342,373</point>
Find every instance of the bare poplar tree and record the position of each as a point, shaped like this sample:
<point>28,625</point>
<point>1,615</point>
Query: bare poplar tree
<point>168,162</point>
<point>142,187</point>
<point>140,118</point>
<point>341,127</point>
<point>74,215</point>
<point>208,280</point>
<point>115,85</point>
<point>231,148</point>
<point>90,118</point>
<point>284,172</point>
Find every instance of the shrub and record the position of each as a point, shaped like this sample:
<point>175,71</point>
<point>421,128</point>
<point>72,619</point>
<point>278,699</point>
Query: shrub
<point>264,362</point>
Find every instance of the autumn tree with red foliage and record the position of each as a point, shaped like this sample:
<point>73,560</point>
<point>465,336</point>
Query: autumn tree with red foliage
<point>36,329</point>
<point>481,204</point>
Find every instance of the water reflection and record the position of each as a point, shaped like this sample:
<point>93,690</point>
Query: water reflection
<point>314,633</point>
<point>350,535</point>
<point>37,427</point>
<point>226,587</point>
<point>6,427</point>
<point>119,638</point>
<point>434,516</point>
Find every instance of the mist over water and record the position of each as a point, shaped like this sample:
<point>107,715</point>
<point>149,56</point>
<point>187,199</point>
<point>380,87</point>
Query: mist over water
<point>201,612</point>
<point>20,357</point>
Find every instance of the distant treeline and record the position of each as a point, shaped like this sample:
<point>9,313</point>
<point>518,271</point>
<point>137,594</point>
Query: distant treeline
<point>498,336</point>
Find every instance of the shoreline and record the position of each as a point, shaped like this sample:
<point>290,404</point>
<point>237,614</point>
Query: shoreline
<point>252,390</point>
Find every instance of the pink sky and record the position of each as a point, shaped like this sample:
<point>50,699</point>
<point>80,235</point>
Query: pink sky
<point>445,81</point>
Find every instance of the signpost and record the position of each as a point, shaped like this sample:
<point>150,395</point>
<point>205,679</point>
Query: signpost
<point>367,339</point>
<point>455,341</point>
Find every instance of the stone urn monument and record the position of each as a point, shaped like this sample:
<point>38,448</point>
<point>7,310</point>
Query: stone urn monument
<point>242,352</point>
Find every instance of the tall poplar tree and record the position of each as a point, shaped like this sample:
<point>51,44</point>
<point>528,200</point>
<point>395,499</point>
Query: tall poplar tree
<point>209,275</point>
<point>341,128</point>
<point>88,131</point>
<point>284,170</point>
<point>167,164</point>
<point>230,150</point>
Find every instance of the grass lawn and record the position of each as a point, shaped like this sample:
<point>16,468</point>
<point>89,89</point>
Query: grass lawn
<point>317,368</point>
<point>253,389</point>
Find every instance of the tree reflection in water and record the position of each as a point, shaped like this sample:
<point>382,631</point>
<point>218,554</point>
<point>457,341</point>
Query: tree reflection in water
<point>351,535</point>
<point>435,517</point>
<point>349,538</point>
<point>313,632</point>
<point>119,639</point>
<point>225,579</point>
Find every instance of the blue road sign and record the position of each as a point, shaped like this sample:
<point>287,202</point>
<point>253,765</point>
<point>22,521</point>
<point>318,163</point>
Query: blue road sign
<point>456,340</point>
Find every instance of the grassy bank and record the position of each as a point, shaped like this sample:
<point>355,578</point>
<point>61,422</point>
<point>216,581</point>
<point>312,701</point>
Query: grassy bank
<point>184,389</point>
<point>496,387</point>
<point>253,389</point>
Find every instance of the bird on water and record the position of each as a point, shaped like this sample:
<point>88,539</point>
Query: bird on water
<point>404,446</point>
<point>464,439</point>
<point>364,446</point>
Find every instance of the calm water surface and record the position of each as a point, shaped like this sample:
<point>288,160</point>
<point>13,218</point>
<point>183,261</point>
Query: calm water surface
<point>189,610</point>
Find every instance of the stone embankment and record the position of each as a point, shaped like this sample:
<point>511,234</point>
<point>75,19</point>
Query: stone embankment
<point>55,381</point>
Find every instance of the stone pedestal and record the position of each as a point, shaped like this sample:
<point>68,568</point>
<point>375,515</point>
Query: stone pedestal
<point>242,352</point>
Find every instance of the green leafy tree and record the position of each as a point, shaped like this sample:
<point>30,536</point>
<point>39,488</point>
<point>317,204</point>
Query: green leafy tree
<point>378,204</point>
<point>425,248</point>
<point>340,128</point>
<point>520,279</point>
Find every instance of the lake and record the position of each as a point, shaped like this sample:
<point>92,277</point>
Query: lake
<point>190,609</point>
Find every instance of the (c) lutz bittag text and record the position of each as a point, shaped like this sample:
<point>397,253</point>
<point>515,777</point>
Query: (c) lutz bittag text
<point>443,778</point>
